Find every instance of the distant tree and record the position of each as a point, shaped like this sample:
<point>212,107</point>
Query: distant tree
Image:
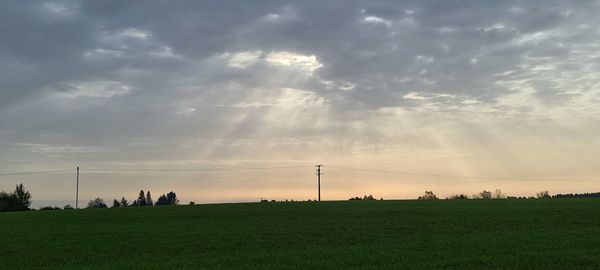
<point>192,203</point>
<point>135,203</point>
<point>124,202</point>
<point>172,198</point>
<point>19,200</point>
<point>8,201</point>
<point>429,195</point>
<point>116,203</point>
<point>484,195</point>
<point>498,194</point>
<point>162,200</point>
<point>458,197</point>
<point>543,194</point>
<point>23,197</point>
<point>149,199</point>
<point>68,207</point>
<point>578,195</point>
<point>96,203</point>
<point>141,201</point>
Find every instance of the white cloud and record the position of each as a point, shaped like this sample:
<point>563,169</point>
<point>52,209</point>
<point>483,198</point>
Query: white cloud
<point>98,89</point>
<point>243,59</point>
<point>377,20</point>
<point>306,63</point>
<point>414,95</point>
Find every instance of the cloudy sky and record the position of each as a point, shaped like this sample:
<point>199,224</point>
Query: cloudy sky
<point>238,100</point>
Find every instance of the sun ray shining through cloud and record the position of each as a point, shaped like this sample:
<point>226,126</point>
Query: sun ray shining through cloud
<point>508,89</point>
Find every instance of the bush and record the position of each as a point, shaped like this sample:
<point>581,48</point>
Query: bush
<point>364,198</point>
<point>484,195</point>
<point>116,203</point>
<point>96,203</point>
<point>458,197</point>
<point>49,207</point>
<point>543,195</point>
<point>429,195</point>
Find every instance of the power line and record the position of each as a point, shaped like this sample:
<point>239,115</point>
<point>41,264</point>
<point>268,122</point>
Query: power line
<point>192,169</point>
<point>34,172</point>
<point>453,176</point>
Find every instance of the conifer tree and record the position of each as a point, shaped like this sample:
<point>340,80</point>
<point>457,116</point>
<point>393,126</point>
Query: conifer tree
<point>148,199</point>
<point>141,201</point>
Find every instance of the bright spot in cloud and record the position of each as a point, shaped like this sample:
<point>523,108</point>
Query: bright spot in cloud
<point>377,20</point>
<point>99,89</point>
<point>243,59</point>
<point>306,63</point>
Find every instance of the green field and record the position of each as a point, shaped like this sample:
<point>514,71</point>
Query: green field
<point>458,234</point>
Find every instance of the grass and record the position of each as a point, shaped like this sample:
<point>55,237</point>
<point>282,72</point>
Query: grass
<point>474,234</point>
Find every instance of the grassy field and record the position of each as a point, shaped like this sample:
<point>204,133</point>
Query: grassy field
<point>477,234</point>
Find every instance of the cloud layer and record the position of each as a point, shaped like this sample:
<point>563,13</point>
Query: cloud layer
<point>203,83</point>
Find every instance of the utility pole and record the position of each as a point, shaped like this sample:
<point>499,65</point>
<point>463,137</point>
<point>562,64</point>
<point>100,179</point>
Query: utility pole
<point>319,178</point>
<point>77,191</point>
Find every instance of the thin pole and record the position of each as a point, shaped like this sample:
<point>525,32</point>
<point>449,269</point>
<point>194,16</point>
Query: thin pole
<point>319,179</point>
<point>77,191</point>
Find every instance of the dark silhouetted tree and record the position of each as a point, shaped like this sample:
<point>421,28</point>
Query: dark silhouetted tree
<point>116,203</point>
<point>124,202</point>
<point>149,199</point>
<point>162,200</point>
<point>429,195</point>
<point>19,200</point>
<point>96,203</point>
<point>135,203</point>
<point>172,198</point>
<point>68,207</point>
<point>543,194</point>
<point>141,201</point>
<point>484,195</point>
<point>8,201</point>
<point>23,197</point>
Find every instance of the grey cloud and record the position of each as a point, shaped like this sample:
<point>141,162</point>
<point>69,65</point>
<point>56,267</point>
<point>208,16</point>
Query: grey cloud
<point>170,57</point>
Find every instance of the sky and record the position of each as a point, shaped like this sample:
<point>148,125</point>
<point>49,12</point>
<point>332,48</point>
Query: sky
<point>224,101</point>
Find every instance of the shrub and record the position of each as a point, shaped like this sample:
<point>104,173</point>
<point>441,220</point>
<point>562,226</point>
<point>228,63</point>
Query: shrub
<point>49,207</point>
<point>96,203</point>
<point>543,195</point>
<point>458,197</point>
<point>429,195</point>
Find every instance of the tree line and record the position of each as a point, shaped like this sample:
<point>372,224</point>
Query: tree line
<point>486,195</point>
<point>18,200</point>
<point>144,199</point>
